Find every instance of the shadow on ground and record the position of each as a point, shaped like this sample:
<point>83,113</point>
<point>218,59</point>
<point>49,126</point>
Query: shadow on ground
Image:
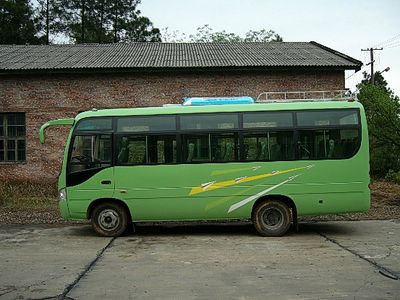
<point>215,229</point>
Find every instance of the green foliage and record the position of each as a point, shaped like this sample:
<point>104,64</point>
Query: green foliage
<point>48,19</point>
<point>393,176</point>
<point>262,36</point>
<point>17,24</point>
<point>141,29</point>
<point>382,109</point>
<point>82,21</point>
<point>106,21</point>
<point>206,34</point>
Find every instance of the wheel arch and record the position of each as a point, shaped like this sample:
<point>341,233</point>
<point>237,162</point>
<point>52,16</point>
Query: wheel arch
<point>285,199</point>
<point>96,202</point>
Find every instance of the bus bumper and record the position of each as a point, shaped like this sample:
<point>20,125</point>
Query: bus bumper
<point>64,211</point>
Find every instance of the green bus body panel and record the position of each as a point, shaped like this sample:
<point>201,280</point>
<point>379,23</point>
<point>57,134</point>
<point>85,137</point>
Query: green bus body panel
<point>162,193</point>
<point>80,196</point>
<point>212,191</point>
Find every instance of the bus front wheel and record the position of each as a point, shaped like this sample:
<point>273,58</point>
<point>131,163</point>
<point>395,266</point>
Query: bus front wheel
<point>271,218</point>
<point>109,219</point>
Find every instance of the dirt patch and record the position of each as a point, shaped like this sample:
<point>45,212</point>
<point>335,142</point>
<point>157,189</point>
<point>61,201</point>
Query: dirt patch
<point>385,205</point>
<point>385,193</point>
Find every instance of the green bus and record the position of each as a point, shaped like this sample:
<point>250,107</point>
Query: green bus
<point>264,162</point>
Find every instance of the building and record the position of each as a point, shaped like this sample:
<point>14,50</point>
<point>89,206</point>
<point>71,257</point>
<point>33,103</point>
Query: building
<point>38,83</point>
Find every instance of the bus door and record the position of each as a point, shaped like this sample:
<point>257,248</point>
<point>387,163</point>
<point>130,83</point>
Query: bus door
<point>90,174</point>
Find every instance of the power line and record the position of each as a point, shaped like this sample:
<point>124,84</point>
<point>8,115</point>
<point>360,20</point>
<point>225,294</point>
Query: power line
<point>393,45</point>
<point>387,41</point>
<point>363,67</point>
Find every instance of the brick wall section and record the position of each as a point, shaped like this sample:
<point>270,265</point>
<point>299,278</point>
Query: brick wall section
<point>45,97</point>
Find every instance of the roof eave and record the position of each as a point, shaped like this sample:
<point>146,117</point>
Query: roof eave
<point>349,58</point>
<point>176,69</point>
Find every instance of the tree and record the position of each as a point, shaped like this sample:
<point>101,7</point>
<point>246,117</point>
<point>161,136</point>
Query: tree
<point>262,36</point>
<point>83,20</point>
<point>106,21</point>
<point>141,30</point>
<point>382,109</point>
<point>48,19</point>
<point>206,34</point>
<point>17,24</point>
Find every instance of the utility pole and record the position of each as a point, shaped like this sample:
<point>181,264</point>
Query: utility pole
<point>371,52</point>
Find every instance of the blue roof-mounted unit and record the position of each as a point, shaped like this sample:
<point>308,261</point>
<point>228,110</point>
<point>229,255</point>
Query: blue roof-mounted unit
<point>200,101</point>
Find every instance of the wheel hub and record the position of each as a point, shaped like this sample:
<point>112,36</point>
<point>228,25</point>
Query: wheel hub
<point>108,219</point>
<point>272,217</point>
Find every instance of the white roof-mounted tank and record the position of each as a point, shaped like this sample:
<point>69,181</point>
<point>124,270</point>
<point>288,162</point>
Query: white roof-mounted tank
<point>200,101</point>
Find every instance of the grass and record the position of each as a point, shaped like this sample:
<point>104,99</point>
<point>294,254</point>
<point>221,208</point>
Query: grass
<point>28,195</point>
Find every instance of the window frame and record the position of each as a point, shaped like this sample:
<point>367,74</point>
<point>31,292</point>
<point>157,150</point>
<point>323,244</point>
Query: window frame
<point>5,138</point>
<point>136,135</point>
<point>239,133</point>
<point>265,132</point>
<point>326,110</point>
<point>292,112</point>
<point>238,119</point>
<point>173,116</point>
<point>313,132</point>
<point>328,127</point>
<point>210,134</point>
<point>86,133</point>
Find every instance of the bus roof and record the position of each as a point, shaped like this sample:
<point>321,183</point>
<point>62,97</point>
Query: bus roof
<point>143,111</point>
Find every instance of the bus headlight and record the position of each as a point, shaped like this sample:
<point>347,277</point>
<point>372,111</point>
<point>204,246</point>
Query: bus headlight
<point>62,195</point>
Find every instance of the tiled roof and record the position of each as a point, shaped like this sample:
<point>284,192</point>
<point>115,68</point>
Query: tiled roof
<point>172,55</point>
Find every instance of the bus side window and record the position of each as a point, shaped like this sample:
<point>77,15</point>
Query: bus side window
<point>327,143</point>
<point>123,150</point>
<point>131,150</point>
<point>269,146</point>
<point>305,145</point>
<point>224,147</point>
<point>161,149</point>
<point>138,150</point>
<point>196,148</point>
<point>89,152</point>
<point>210,147</point>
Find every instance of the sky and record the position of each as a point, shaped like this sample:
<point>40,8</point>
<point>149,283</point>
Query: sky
<point>346,26</point>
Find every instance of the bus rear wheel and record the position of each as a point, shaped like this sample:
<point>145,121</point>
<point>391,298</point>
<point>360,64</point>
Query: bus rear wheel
<point>271,218</point>
<point>109,219</point>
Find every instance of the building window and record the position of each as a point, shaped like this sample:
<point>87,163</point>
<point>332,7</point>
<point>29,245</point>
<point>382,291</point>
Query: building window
<point>12,137</point>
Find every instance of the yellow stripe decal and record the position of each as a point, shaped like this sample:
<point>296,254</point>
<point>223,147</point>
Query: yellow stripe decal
<point>217,185</point>
<point>223,172</point>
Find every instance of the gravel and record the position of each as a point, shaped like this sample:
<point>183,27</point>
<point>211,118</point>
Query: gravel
<point>32,216</point>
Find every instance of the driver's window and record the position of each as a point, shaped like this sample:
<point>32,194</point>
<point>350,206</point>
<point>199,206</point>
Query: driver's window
<point>90,151</point>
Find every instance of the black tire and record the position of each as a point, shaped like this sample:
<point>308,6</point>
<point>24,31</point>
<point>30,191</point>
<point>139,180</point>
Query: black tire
<point>271,218</point>
<point>109,219</point>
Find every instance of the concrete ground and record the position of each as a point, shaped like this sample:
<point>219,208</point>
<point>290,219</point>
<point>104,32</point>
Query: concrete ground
<point>326,260</point>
